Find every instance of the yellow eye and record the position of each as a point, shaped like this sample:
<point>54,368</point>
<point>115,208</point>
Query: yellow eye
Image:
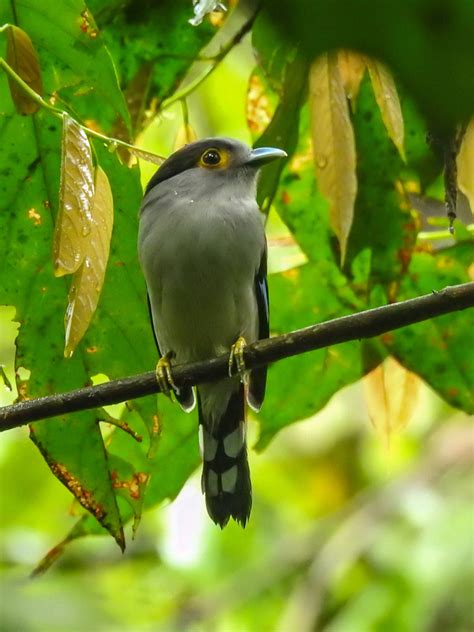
<point>211,158</point>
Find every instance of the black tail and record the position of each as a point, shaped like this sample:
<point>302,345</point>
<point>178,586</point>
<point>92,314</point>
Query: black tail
<point>225,473</point>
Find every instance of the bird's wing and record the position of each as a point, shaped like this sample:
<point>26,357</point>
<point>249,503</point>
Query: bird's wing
<point>185,396</point>
<point>152,325</point>
<point>258,377</point>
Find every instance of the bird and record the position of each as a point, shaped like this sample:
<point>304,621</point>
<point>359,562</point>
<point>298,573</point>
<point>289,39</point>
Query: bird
<point>203,253</point>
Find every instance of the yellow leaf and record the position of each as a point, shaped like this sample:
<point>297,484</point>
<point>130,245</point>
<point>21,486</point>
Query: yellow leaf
<point>333,144</point>
<point>76,192</point>
<point>465,164</point>
<point>87,282</point>
<point>352,69</point>
<point>185,135</point>
<point>391,394</point>
<point>22,57</point>
<point>386,95</point>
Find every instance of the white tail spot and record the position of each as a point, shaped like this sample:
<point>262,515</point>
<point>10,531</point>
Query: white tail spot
<point>212,487</point>
<point>234,441</point>
<point>207,444</point>
<point>229,479</point>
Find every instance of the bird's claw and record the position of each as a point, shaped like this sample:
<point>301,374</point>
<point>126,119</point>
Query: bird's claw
<point>164,377</point>
<point>237,357</point>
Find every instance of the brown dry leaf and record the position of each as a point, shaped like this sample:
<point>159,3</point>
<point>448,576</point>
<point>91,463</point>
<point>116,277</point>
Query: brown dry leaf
<point>333,144</point>
<point>352,67</point>
<point>146,155</point>
<point>23,59</point>
<point>87,282</point>
<point>185,135</point>
<point>76,192</point>
<point>465,164</point>
<point>386,95</point>
<point>391,394</point>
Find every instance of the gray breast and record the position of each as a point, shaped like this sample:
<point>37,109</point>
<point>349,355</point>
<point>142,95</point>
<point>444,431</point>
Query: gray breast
<point>200,256</point>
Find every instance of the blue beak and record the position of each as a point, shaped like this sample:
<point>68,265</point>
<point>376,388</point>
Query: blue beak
<point>261,155</point>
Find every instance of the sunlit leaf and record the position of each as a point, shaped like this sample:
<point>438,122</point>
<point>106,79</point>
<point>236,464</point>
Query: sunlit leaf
<point>74,221</point>
<point>88,280</point>
<point>22,57</point>
<point>391,395</point>
<point>465,164</point>
<point>387,99</point>
<point>352,67</point>
<point>334,145</point>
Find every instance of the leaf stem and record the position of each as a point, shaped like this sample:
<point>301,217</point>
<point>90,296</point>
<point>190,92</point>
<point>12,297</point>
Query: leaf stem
<point>58,113</point>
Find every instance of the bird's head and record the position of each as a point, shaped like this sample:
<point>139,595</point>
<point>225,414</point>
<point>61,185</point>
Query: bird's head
<point>214,160</point>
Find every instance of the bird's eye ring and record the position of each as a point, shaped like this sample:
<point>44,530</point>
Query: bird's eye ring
<point>211,158</point>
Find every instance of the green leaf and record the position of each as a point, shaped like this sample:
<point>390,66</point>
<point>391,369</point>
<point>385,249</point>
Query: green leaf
<point>72,54</point>
<point>120,340</point>
<point>73,449</point>
<point>168,466</point>
<point>282,130</point>
<point>382,219</point>
<point>286,74</point>
<point>300,386</point>
<point>153,46</point>
<point>438,350</point>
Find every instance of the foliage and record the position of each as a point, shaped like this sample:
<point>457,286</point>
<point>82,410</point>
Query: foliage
<point>116,69</point>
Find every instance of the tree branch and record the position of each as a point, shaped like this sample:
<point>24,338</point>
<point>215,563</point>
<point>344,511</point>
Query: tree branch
<point>365,324</point>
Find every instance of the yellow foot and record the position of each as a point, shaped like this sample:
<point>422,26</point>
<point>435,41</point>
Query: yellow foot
<point>237,357</point>
<point>164,376</point>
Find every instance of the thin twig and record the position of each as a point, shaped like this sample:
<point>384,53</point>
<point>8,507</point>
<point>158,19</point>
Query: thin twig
<point>365,324</point>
